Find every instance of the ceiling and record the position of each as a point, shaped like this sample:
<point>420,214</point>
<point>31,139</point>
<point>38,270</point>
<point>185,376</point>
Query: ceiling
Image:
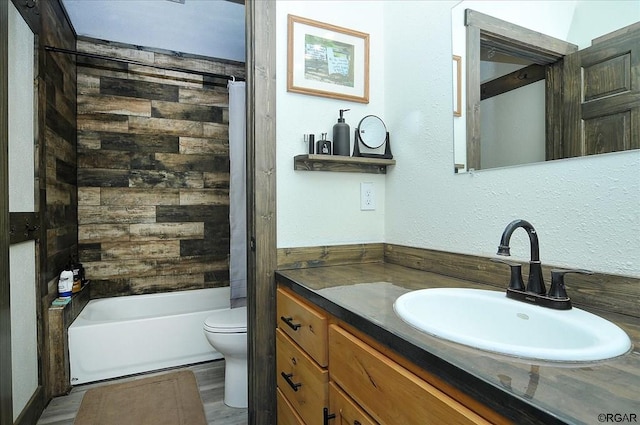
<point>212,28</point>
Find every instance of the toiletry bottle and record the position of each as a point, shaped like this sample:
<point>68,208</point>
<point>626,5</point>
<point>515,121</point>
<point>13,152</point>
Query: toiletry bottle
<point>65,283</point>
<point>77,276</point>
<point>83,278</point>
<point>341,136</point>
<point>323,146</point>
<point>312,142</point>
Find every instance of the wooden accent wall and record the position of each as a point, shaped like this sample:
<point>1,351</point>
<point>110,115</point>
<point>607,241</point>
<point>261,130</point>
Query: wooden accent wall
<point>56,184</point>
<point>153,171</point>
<point>329,255</point>
<point>56,170</point>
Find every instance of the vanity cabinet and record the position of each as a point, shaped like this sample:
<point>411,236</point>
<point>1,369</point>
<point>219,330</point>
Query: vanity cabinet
<point>390,393</point>
<point>301,361</point>
<point>286,413</point>
<point>304,324</point>
<point>322,363</point>
<point>346,411</point>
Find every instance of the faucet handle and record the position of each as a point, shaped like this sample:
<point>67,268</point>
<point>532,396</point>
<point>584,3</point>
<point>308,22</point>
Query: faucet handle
<point>557,289</point>
<point>515,282</point>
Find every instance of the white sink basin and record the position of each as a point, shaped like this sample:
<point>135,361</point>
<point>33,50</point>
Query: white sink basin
<point>490,321</point>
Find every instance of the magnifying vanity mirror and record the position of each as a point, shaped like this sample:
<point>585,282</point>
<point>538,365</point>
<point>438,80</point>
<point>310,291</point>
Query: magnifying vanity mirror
<point>372,139</point>
<point>545,80</point>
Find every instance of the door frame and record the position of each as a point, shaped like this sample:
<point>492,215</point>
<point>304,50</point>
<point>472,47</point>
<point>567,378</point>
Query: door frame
<point>261,208</point>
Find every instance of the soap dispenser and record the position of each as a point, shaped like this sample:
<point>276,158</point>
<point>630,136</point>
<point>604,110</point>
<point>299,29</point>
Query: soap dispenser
<point>341,136</point>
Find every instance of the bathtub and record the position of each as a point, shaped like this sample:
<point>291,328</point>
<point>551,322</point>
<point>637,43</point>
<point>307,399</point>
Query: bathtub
<point>120,336</point>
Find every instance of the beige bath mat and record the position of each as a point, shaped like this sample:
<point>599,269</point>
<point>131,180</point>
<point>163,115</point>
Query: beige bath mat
<point>169,399</point>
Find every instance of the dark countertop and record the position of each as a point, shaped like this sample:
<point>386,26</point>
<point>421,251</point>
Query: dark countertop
<point>524,391</point>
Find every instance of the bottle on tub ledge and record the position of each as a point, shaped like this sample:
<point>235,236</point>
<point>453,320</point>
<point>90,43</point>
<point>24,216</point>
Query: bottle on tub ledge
<point>78,278</point>
<point>65,284</point>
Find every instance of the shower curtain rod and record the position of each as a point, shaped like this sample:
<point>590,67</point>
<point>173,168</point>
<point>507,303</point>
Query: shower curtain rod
<point>133,62</point>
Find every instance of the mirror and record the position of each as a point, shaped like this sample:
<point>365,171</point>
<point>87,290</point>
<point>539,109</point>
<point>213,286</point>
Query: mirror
<point>520,115</point>
<point>372,131</point>
<point>372,139</point>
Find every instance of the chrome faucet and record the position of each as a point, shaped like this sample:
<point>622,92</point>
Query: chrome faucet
<point>535,283</point>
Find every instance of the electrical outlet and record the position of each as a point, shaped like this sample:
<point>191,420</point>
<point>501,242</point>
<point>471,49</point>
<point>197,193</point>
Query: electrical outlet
<point>367,197</point>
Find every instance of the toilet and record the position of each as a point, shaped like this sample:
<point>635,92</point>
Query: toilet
<point>226,331</point>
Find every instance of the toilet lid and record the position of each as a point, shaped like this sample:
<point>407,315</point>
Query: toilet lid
<point>228,320</point>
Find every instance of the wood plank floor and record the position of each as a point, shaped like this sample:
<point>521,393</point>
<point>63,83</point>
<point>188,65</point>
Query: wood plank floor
<point>210,376</point>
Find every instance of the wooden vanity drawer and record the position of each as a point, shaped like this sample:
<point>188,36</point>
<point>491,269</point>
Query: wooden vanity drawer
<point>301,380</point>
<point>286,413</point>
<point>305,324</point>
<point>346,410</point>
<point>388,392</point>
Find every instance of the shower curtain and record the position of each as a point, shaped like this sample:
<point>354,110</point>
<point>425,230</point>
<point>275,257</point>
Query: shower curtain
<point>237,193</point>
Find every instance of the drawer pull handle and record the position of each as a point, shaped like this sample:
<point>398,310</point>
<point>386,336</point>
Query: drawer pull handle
<point>327,416</point>
<point>288,321</point>
<point>287,377</point>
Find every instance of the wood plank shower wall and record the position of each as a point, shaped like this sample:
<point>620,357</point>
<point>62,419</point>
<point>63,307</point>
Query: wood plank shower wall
<point>153,171</point>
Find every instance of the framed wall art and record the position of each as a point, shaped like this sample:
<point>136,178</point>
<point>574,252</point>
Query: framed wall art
<point>327,60</point>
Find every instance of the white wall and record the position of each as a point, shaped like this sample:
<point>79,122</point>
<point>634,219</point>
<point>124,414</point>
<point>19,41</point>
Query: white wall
<point>593,18</point>
<point>323,208</point>
<point>586,210</point>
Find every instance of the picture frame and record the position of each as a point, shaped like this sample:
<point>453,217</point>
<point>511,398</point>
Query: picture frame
<point>457,86</point>
<point>327,60</point>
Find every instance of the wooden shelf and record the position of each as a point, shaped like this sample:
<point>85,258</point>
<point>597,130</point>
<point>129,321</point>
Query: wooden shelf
<point>348,164</point>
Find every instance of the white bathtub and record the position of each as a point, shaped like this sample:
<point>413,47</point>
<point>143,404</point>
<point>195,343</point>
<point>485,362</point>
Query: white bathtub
<point>120,336</point>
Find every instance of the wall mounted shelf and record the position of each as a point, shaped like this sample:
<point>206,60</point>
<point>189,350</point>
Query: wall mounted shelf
<point>347,164</point>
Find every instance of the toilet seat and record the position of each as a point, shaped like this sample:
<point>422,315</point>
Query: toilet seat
<point>228,320</point>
